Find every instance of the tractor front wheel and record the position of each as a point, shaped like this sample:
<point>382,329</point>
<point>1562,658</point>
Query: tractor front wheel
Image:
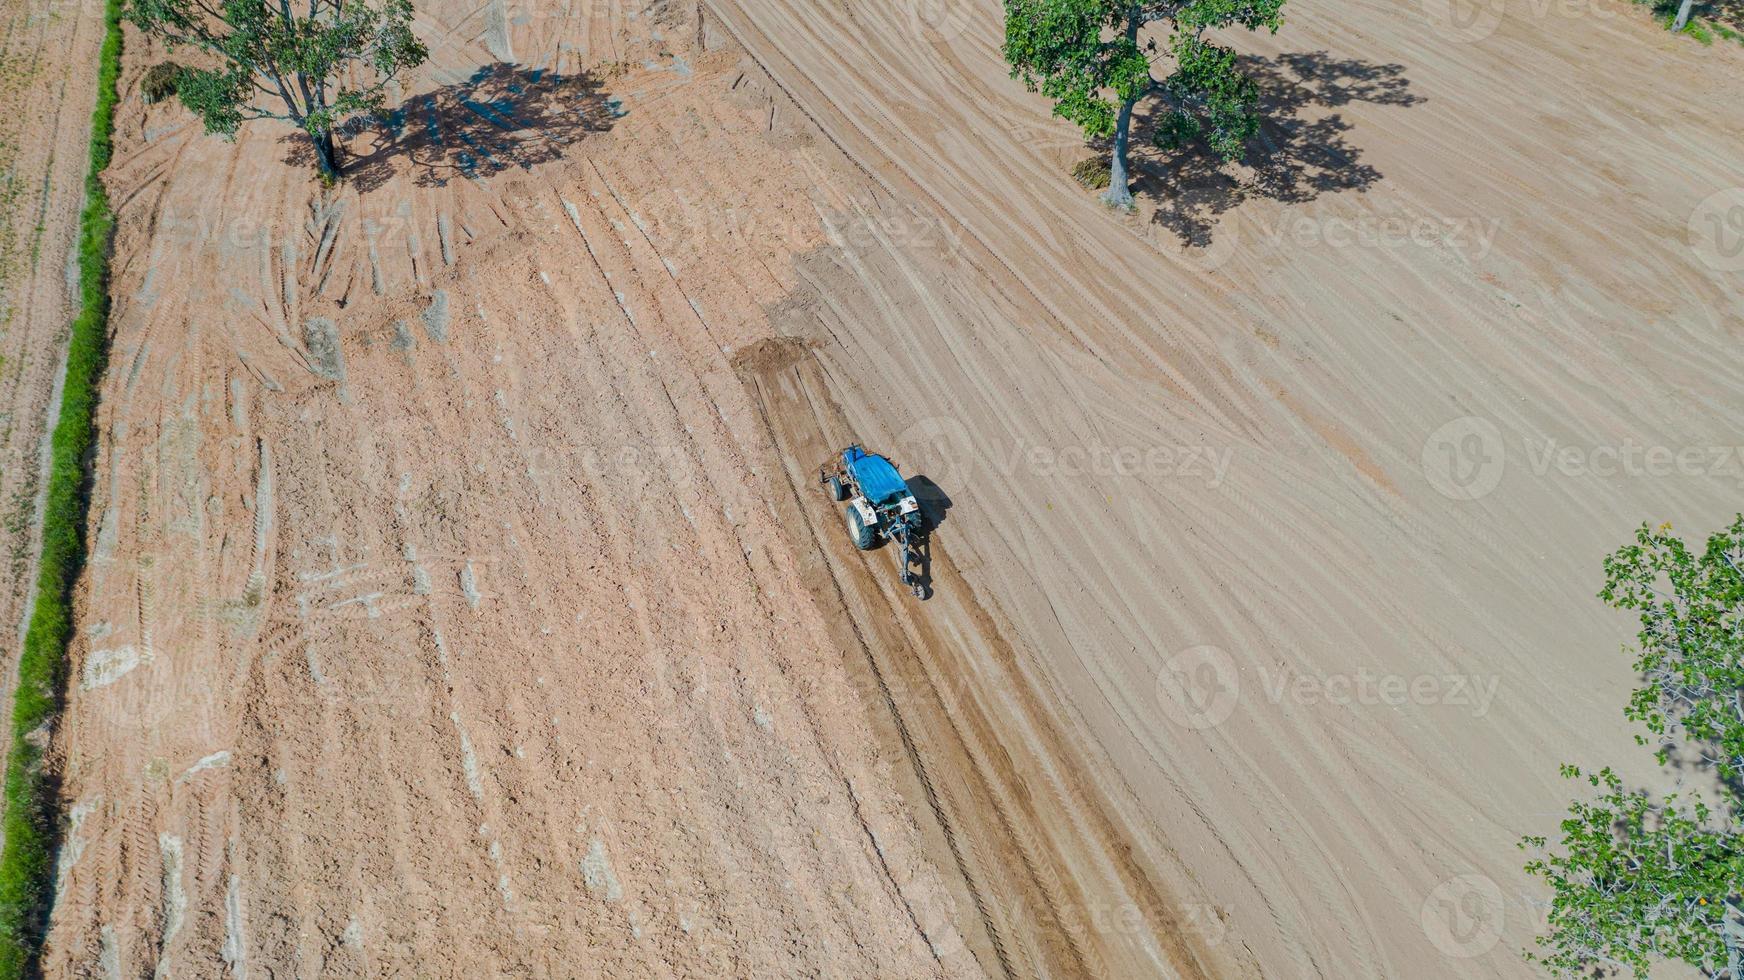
<point>838,491</point>
<point>864,537</point>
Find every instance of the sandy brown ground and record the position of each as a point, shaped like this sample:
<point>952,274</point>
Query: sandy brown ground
<point>434,624</point>
<point>1280,522</point>
<point>460,603</point>
<point>47,86</point>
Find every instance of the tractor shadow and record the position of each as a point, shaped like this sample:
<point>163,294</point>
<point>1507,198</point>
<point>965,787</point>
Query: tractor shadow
<point>933,500</point>
<point>501,117</point>
<point>1298,154</point>
<point>934,503</point>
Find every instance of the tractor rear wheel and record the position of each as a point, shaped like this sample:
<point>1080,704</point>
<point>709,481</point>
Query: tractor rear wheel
<point>838,491</point>
<point>864,537</point>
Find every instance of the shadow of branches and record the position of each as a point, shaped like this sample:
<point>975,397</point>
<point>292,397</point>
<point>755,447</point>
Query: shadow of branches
<point>1297,155</point>
<point>501,117</point>
<point>1726,13</point>
<point>1695,762</point>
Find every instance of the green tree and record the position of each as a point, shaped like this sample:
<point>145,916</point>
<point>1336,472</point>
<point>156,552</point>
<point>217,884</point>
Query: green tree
<point>1638,878</point>
<point>1691,606</point>
<point>315,66</point>
<point>1088,57</point>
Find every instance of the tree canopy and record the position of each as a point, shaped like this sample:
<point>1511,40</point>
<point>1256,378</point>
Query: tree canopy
<point>1088,57</point>
<point>1639,877</point>
<point>313,66</point>
<point>1691,606</point>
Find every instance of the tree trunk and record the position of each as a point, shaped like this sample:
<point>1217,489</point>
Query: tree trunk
<point>326,156</point>
<point>1733,930</point>
<point>1683,15</point>
<point>1119,194</point>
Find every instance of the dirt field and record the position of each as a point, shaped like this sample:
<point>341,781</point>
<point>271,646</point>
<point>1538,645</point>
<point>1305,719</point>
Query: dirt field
<point>460,603</point>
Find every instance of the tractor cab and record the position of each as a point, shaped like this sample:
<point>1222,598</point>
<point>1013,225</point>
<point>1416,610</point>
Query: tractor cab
<point>880,504</point>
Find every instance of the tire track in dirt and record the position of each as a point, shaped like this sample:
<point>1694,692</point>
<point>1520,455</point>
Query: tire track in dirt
<point>507,660</point>
<point>596,678</point>
<point>1322,551</point>
<point>1039,858</point>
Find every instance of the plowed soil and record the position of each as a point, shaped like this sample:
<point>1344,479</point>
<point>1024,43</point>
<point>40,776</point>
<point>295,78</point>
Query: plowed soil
<point>435,623</point>
<point>461,601</point>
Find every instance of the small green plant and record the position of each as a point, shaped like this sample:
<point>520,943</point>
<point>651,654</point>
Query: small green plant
<point>159,81</point>
<point>1092,172</point>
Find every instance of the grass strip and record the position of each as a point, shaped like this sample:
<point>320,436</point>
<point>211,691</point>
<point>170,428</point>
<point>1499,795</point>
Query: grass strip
<point>32,817</point>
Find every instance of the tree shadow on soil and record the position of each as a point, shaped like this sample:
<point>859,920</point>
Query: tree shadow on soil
<point>1726,13</point>
<point>1694,761</point>
<point>1298,154</point>
<point>501,117</point>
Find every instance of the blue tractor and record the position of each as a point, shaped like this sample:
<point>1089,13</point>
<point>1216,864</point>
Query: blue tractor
<point>880,507</point>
